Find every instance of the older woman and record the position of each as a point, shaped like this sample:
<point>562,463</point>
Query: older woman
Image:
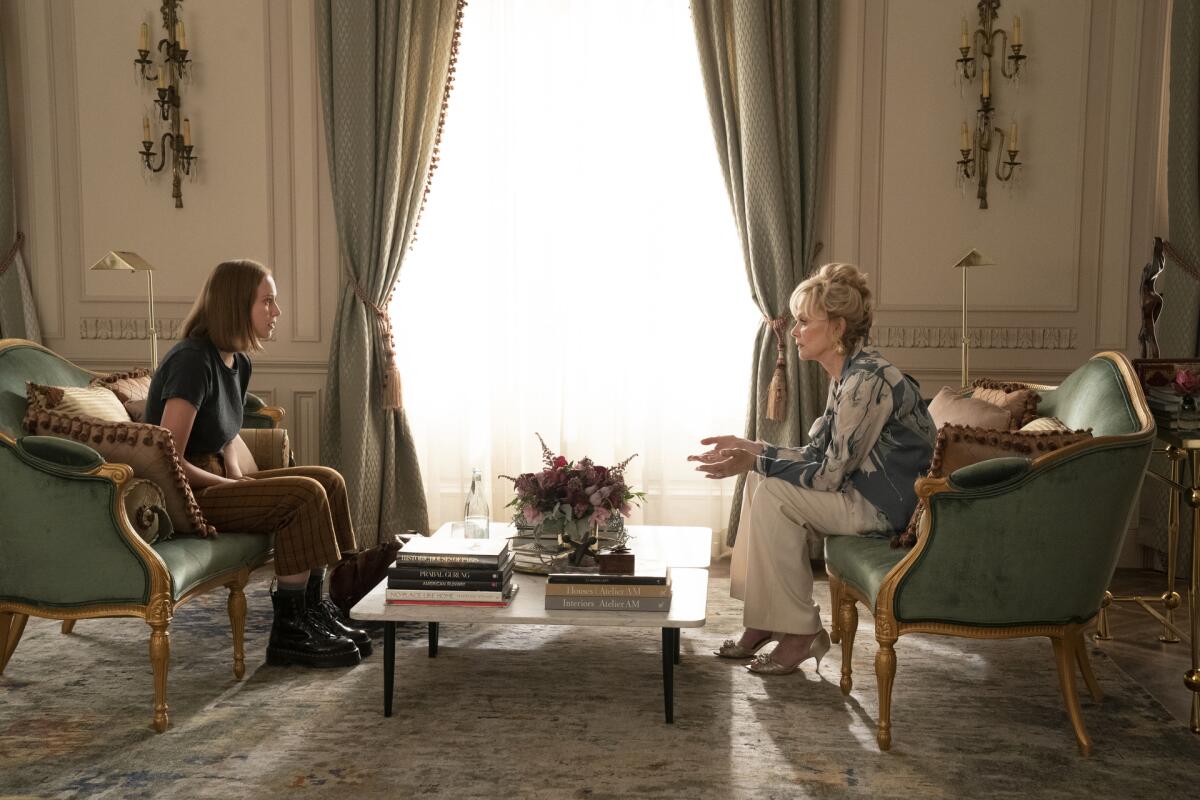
<point>855,476</point>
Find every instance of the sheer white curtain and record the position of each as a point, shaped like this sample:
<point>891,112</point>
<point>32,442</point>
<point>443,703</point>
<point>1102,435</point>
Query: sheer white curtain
<point>577,272</point>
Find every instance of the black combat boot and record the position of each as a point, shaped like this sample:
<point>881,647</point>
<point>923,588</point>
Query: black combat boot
<point>330,617</point>
<point>297,636</point>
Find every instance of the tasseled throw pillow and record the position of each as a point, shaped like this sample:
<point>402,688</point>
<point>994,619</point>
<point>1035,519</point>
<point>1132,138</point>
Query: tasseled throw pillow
<point>960,446</point>
<point>148,449</point>
<point>127,386</point>
<point>1018,398</point>
<point>950,407</point>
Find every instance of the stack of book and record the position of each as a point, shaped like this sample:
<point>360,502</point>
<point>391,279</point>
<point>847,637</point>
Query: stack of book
<point>438,570</point>
<point>646,590</point>
<point>1170,411</point>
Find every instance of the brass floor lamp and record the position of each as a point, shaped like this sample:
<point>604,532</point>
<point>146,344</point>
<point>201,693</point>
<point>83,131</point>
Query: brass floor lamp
<point>973,258</point>
<point>126,261</point>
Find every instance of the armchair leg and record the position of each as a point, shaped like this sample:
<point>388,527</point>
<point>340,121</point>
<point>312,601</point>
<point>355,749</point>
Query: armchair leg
<point>237,622</point>
<point>12,628</point>
<point>835,600</point>
<point>1064,659</point>
<point>1085,667</point>
<point>68,625</point>
<point>885,675</point>
<point>848,612</point>
<point>158,617</point>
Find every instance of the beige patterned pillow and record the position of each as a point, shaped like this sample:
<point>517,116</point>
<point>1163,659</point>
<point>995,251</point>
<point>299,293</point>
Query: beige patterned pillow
<point>127,386</point>
<point>949,407</point>
<point>1045,425</point>
<point>1020,400</point>
<point>148,449</point>
<point>92,401</point>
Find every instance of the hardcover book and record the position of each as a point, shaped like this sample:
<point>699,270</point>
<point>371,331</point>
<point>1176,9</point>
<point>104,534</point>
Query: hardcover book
<point>446,552</point>
<point>565,603</point>
<point>607,590</point>
<point>462,572</point>
<point>465,595</point>
<point>449,583</point>
<point>653,575</point>
<point>505,600</point>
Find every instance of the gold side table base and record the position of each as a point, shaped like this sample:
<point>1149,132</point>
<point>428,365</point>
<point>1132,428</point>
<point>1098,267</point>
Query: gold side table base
<point>1177,449</point>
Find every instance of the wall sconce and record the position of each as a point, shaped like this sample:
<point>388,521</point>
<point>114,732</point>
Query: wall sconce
<point>973,258</point>
<point>976,147</point>
<point>168,76</point>
<point>125,261</point>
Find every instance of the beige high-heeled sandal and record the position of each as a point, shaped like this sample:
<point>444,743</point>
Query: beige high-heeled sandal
<point>733,649</point>
<point>764,664</point>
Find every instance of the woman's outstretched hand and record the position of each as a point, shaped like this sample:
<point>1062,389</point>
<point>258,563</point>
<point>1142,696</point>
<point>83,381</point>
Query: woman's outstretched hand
<point>728,456</point>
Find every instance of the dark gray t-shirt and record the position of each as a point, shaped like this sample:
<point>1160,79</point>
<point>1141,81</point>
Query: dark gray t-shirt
<point>194,371</point>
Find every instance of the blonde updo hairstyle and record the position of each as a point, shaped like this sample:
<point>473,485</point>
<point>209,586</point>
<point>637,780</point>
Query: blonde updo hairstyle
<point>837,291</point>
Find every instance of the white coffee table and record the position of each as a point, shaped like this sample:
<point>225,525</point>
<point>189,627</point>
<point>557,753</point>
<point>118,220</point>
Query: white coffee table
<point>687,551</point>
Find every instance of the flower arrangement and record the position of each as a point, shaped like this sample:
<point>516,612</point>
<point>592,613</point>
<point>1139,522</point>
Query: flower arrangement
<point>1187,382</point>
<point>576,492</point>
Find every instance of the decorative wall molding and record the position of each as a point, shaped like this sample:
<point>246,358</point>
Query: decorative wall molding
<point>982,338</point>
<point>305,430</point>
<point>127,328</point>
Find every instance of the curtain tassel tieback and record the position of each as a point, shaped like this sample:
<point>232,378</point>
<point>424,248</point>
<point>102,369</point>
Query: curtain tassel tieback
<point>777,391</point>
<point>12,253</point>
<point>386,356</point>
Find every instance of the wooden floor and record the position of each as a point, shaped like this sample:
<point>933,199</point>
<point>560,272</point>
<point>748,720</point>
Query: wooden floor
<point>1134,646</point>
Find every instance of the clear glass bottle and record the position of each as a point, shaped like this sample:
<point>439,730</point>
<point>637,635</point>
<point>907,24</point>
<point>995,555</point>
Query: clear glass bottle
<point>475,512</point>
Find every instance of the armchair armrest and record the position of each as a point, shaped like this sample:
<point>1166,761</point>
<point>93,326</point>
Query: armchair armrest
<point>64,538</point>
<point>257,414</point>
<point>52,453</point>
<point>266,448</point>
<point>991,472</point>
<point>1012,544</point>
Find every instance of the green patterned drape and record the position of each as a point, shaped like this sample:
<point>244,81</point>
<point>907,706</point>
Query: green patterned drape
<point>768,71</point>
<point>1178,328</point>
<point>384,66</point>
<point>18,316</point>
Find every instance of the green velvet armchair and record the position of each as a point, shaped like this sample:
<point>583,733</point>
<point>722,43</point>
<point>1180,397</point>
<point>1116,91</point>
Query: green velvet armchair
<point>68,549</point>
<point>1010,547</point>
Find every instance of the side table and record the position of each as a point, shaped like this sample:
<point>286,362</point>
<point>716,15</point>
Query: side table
<point>1178,447</point>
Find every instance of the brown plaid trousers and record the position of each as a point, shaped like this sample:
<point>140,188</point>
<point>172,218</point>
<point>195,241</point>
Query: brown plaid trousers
<point>305,507</point>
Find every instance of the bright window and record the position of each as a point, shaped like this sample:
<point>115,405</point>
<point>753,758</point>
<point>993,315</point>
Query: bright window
<point>577,271</point>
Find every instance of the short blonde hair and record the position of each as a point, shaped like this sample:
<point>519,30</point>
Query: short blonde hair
<point>839,291</point>
<point>222,310</point>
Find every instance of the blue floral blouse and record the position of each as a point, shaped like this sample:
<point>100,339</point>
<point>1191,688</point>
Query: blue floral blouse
<point>875,435</point>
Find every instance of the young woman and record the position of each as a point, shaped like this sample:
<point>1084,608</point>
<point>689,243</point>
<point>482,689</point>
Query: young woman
<point>198,393</point>
<point>855,476</point>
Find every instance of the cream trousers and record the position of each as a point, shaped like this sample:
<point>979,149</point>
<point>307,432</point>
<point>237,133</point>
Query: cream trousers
<point>770,569</point>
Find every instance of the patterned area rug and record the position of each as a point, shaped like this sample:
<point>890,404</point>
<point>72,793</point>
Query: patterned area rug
<point>553,712</point>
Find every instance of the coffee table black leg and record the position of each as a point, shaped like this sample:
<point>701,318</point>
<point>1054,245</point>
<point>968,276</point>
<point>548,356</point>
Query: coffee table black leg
<point>389,665</point>
<point>433,637</point>
<point>676,638</point>
<point>670,644</point>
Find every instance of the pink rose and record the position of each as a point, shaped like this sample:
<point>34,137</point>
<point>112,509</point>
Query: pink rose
<point>1187,383</point>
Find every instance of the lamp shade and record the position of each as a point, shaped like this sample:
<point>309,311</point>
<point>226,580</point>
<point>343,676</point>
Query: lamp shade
<point>123,260</point>
<point>973,258</point>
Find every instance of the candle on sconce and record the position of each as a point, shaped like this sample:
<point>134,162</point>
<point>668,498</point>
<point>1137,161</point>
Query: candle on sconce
<point>180,35</point>
<point>144,37</point>
<point>162,77</point>
<point>966,39</point>
<point>964,137</point>
<point>1016,30</point>
<point>987,79</point>
<point>1013,142</point>
<point>146,129</point>
<point>187,132</point>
